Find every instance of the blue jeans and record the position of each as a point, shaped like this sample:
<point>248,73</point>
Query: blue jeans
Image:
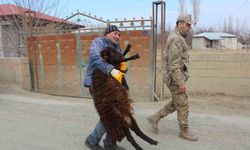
<point>96,135</point>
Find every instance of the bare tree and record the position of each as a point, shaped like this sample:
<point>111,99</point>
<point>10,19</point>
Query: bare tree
<point>244,38</point>
<point>237,26</point>
<point>19,26</point>
<point>244,35</point>
<point>225,26</point>
<point>196,13</point>
<point>182,8</point>
<point>230,24</point>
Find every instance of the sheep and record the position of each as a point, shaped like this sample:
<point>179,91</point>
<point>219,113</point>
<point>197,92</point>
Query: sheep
<point>113,104</point>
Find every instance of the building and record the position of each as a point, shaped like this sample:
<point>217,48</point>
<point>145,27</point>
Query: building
<point>16,22</point>
<point>214,40</point>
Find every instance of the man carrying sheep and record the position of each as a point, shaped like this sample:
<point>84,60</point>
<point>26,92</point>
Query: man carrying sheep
<point>176,74</point>
<point>110,39</point>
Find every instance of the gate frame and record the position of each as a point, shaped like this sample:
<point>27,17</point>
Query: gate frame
<point>155,8</point>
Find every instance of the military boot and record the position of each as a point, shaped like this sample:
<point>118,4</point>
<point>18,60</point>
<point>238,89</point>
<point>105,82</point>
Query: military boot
<point>154,120</point>
<point>185,134</point>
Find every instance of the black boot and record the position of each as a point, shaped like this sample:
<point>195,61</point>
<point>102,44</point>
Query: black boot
<point>92,146</point>
<point>113,147</point>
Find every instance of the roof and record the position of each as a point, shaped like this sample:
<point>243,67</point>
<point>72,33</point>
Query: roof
<point>11,9</point>
<point>214,35</point>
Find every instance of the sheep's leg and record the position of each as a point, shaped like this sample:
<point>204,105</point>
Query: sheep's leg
<point>126,50</point>
<point>131,139</point>
<point>136,56</point>
<point>126,119</point>
<point>116,113</point>
<point>134,126</point>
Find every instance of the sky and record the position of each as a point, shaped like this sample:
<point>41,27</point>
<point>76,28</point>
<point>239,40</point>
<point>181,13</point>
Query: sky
<point>212,12</point>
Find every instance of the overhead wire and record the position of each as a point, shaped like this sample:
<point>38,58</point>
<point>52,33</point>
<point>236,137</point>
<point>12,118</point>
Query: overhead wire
<point>239,8</point>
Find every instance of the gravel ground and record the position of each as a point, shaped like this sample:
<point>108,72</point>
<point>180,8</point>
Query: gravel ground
<point>32,121</point>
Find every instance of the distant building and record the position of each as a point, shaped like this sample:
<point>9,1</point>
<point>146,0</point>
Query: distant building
<point>214,40</point>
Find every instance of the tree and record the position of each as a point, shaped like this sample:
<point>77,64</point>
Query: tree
<point>237,26</point>
<point>230,24</point>
<point>196,13</point>
<point>18,26</point>
<point>225,26</point>
<point>182,8</point>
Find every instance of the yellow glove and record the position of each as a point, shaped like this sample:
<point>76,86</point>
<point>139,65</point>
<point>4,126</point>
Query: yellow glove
<point>117,75</point>
<point>123,66</point>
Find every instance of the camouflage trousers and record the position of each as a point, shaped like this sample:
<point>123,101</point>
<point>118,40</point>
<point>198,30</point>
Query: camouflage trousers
<point>178,103</point>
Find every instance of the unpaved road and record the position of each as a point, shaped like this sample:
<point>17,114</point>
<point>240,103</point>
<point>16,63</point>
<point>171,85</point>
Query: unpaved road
<point>31,121</point>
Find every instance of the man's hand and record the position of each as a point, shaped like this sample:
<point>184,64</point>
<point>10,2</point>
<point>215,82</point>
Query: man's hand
<point>117,75</point>
<point>182,88</point>
<point>123,66</point>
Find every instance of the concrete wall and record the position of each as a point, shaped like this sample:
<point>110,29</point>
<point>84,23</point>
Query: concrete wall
<point>15,71</point>
<point>227,73</point>
<point>1,43</point>
<point>210,72</point>
<point>198,43</point>
<point>201,43</point>
<point>229,43</point>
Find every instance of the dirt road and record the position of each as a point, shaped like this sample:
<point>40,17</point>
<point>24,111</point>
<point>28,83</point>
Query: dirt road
<point>30,121</point>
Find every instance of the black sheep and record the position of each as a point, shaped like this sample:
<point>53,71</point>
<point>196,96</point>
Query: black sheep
<point>113,104</point>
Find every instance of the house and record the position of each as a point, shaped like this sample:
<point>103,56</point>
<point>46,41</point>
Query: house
<point>16,22</point>
<point>214,40</point>
<point>8,11</point>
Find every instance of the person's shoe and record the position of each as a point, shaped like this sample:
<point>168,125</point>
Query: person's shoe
<point>113,147</point>
<point>91,146</point>
<point>185,134</point>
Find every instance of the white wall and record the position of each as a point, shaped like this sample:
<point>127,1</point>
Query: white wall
<point>198,43</point>
<point>229,43</point>
<point>201,42</point>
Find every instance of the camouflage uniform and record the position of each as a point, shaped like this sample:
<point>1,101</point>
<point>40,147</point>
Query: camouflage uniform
<point>176,73</point>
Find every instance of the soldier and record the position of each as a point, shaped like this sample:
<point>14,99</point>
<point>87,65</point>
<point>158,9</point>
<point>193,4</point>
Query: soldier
<point>176,74</point>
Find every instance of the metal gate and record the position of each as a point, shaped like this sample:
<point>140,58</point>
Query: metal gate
<point>59,60</point>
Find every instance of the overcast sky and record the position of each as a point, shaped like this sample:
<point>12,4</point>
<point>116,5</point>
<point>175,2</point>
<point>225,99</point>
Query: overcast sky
<point>212,12</point>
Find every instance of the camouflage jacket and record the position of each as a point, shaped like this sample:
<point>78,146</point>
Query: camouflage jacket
<point>176,58</point>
